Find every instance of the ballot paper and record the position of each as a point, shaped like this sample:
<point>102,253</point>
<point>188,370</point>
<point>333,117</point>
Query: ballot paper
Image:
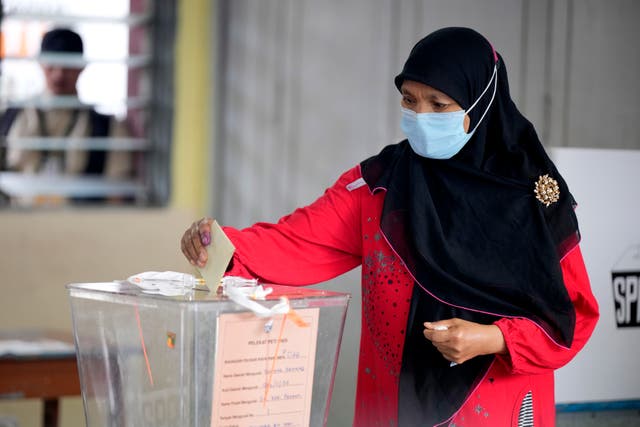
<point>173,283</point>
<point>219,252</point>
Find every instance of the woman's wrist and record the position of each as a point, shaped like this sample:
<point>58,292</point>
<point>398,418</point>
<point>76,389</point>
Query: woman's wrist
<point>497,344</point>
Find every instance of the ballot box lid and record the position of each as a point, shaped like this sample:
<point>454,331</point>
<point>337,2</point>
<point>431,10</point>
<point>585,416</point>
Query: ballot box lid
<point>107,290</point>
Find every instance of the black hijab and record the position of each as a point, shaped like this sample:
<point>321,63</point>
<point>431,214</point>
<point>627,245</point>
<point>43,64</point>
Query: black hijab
<point>479,242</point>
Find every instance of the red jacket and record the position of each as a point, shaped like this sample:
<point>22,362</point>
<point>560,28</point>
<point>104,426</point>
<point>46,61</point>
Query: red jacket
<point>340,231</point>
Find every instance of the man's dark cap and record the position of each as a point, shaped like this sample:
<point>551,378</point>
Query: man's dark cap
<point>61,40</point>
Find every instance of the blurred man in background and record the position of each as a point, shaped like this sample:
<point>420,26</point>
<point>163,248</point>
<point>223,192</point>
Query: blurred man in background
<point>59,122</point>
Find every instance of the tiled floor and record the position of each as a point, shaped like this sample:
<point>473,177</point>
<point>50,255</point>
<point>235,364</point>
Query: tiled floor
<point>629,418</point>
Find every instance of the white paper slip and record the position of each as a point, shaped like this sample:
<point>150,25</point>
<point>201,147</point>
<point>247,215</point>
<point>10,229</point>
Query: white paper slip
<point>31,348</point>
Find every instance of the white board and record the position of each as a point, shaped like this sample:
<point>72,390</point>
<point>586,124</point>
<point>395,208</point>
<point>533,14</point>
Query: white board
<point>606,185</point>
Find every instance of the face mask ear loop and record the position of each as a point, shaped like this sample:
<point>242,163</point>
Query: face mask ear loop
<point>494,74</point>
<point>495,87</point>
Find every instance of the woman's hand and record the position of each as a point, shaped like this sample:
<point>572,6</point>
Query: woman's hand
<point>460,340</point>
<point>194,241</point>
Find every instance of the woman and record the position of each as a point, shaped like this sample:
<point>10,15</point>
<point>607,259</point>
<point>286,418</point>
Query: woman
<point>473,285</point>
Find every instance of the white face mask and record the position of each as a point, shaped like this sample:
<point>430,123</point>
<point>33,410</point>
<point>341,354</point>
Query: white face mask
<point>441,135</point>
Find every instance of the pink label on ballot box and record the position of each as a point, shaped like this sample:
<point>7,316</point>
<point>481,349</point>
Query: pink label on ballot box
<point>264,370</point>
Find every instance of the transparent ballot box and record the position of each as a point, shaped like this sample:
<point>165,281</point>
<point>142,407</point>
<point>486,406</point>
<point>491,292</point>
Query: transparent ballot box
<point>200,359</point>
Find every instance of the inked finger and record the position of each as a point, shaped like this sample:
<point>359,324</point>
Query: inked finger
<point>204,230</point>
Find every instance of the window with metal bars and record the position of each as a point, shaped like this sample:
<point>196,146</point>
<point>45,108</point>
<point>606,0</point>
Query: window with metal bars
<point>86,121</point>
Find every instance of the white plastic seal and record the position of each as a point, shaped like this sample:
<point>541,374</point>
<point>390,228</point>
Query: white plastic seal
<point>245,292</point>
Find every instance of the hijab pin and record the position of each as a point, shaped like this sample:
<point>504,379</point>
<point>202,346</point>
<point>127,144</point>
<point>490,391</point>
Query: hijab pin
<point>547,190</point>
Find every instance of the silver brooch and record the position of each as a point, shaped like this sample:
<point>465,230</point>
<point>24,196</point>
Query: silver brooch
<point>547,190</point>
